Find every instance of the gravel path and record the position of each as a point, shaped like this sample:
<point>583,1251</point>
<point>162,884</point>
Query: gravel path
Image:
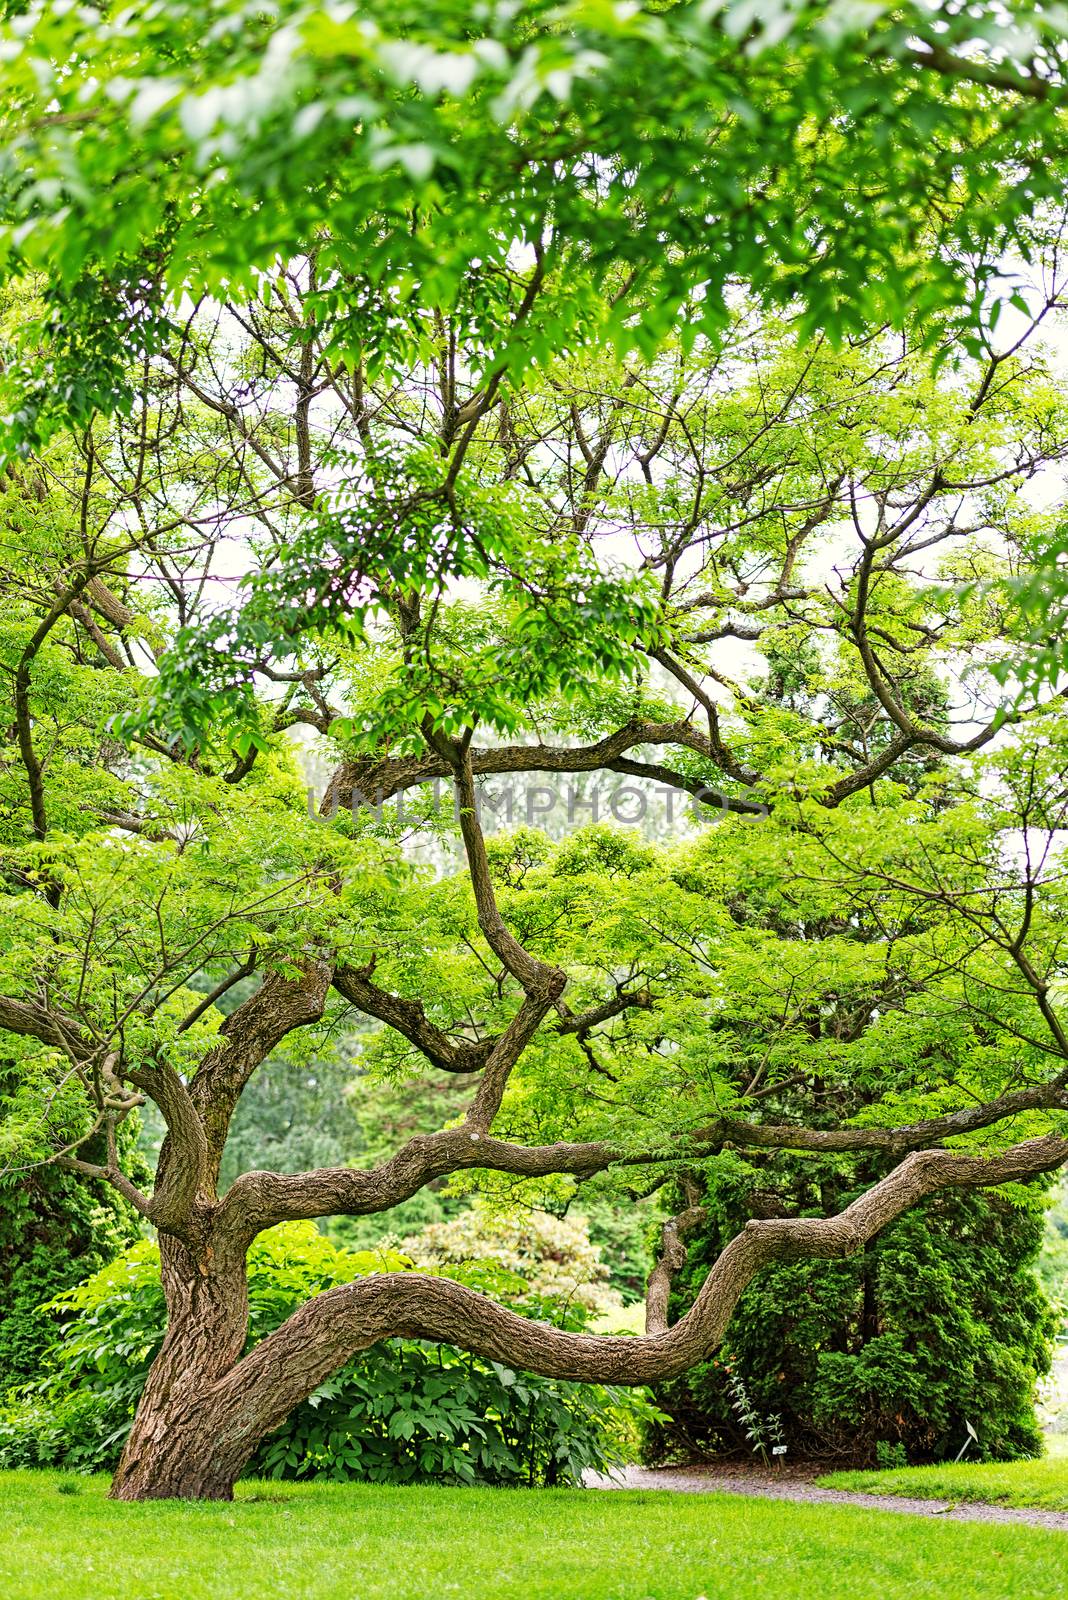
<point>799,1487</point>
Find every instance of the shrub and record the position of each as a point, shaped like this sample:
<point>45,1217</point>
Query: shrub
<point>407,1411</point>
<point>552,1255</point>
<point>54,1228</point>
<point>938,1324</point>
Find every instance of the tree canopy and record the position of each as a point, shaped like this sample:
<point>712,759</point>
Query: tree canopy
<point>427,395</point>
<point>549,174</point>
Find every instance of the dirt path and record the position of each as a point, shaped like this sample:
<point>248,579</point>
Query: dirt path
<point>799,1487</point>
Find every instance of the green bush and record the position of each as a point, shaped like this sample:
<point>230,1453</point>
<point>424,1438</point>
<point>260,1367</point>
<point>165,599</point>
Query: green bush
<point>402,1412</point>
<point>889,1355</point>
<point>54,1228</point>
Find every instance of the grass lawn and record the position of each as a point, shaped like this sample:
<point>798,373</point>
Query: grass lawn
<point>339,1542</point>
<point>1012,1483</point>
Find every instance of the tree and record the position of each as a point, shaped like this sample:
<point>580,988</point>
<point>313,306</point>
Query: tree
<point>620,1017</point>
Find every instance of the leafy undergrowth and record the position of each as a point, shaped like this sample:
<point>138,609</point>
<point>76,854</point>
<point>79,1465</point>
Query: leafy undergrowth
<point>1041,1483</point>
<point>60,1536</point>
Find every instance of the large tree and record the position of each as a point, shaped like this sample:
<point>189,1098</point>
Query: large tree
<point>776,583</point>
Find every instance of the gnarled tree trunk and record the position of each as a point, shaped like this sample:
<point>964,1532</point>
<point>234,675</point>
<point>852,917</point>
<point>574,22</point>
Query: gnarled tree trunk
<point>173,1448</point>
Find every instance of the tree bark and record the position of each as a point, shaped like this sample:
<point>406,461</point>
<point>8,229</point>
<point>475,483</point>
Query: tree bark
<point>172,1452</point>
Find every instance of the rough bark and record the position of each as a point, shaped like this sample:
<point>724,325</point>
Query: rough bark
<point>259,1200</point>
<point>672,1260</point>
<point>171,1453</point>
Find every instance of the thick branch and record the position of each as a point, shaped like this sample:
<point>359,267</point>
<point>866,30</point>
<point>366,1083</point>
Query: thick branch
<point>247,1038</point>
<point>583,1021</point>
<point>326,1332</point>
<point>259,1200</point>
<point>373,782</point>
<point>184,1167</point>
<point>910,1136</point>
<point>35,1021</point>
<point>408,1018</point>
<point>377,781</point>
<point>503,1057</point>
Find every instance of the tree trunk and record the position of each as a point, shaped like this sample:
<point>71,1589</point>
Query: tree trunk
<point>175,1448</point>
<point>171,1455</point>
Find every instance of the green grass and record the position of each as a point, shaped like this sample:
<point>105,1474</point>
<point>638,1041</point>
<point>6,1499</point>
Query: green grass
<point>60,1536</point>
<point>1041,1483</point>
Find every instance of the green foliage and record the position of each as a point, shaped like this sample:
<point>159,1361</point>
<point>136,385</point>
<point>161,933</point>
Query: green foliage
<point>54,1227</point>
<point>556,622</point>
<point>888,1356</point>
<point>187,145</point>
<point>762,1434</point>
<point>220,861</point>
<point>622,1235</point>
<point>400,1412</point>
<point>553,1256</point>
<point>1053,1259</point>
<point>409,1413</point>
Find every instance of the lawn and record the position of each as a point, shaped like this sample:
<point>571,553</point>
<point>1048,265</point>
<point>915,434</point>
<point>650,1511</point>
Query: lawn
<point>60,1536</point>
<point>1010,1483</point>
